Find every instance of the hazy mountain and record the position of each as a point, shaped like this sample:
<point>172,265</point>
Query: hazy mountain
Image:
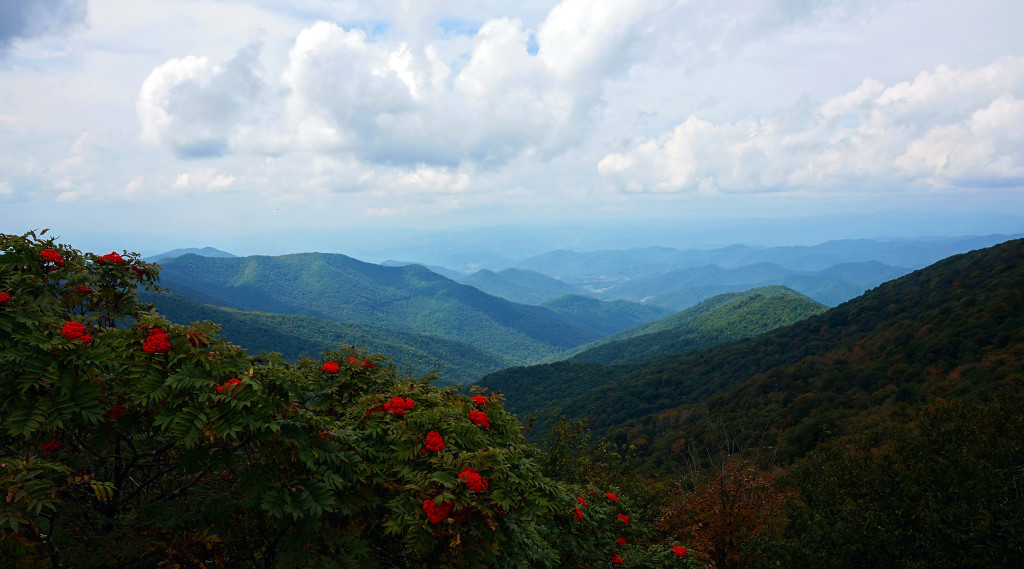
<point>517,285</point>
<point>294,335</point>
<point>604,317</point>
<point>955,328</point>
<point>410,298</point>
<point>599,270</point>
<point>443,271</point>
<point>204,252</point>
<point>720,319</point>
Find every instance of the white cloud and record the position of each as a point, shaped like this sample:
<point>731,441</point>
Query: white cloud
<point>203,179</point>
<point>400,103</point>
<point>947,127</point>
<point>194,106</point>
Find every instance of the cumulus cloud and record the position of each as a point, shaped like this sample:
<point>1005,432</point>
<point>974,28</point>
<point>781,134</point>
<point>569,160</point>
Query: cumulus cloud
<point>194,106</point>
<point>203,179</point>
<point>400,103</point>
<point>947,127</point>
<point>24,19</point>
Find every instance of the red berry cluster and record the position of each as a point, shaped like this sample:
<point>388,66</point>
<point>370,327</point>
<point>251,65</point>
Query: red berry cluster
<point>50,446</point>
<point>51,256</point>
<point>4,298</point>
<point>480,418</point>
<point>399,406</point>
<point>330,367</point>
<point>157,342</point>
<point>230,385</point>
<point>76,331</point>
<point>110,258</point>
<point>474,481</point>
<point>436,512</point>
<point>361,364</point>
<point>434,443</point>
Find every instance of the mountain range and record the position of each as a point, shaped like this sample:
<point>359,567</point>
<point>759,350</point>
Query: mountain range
<point>952,329</point>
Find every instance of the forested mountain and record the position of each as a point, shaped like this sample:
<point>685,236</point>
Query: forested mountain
<point>294,335</point>
<point>203,252</point>
<point>517,285</point>
<point>600,269</point>
<point>408,298</point>
<point>604,316</point>
<point>682,288</point>
<point>723,318</point>
<point>443,271</point>
<point>955,328</point>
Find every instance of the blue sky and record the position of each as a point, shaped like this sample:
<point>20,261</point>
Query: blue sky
<point>193,120</point>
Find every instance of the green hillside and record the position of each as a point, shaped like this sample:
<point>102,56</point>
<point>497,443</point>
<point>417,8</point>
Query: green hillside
<point>954,329</point>
<point>408,298</point>
<point>517,285</point>
<point>604,317</point>
<point>723,318</point>
<point>294,335</point>
<point>683,288</point>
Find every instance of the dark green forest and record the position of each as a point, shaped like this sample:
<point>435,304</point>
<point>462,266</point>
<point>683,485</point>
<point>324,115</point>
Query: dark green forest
<point>758,428</point>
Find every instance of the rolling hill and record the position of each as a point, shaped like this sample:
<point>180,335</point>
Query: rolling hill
<point>517,285</point>
<point>723,318</point>
<point>294,335</point>
<point>953,329</point>
<point>408,298</point>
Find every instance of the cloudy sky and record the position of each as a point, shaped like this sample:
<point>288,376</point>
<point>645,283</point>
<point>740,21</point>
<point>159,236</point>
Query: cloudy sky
<point>198,118</point>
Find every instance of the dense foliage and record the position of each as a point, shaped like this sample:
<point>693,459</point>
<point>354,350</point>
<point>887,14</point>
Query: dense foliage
<point>409,298</point>
<point>294,335</point>
<point>129,441</point>
<point>720,319</point>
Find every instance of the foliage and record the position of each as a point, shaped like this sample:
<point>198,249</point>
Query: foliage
<point>294,335</point>
<point>944,492</point>
<point>128,441</point>
<point>408,298</point>
<point>723,318</point>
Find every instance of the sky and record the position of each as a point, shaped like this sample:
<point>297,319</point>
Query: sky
<point>235,123</point>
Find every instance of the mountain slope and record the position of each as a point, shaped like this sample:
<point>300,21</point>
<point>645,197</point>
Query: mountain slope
<point>517,285</point>
<point>953,329</point>
<point>723,318</point>
<point>204,252</point>
<point>409,298</point>
<point>604,317</point>
<point>682,288</point>
<point>294,335</point>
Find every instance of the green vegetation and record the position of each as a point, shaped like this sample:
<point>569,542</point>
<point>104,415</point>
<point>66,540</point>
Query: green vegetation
<point>884,432</point>
<point>409,298</point>
<point>293,336</point>
<point>526,287</point>
<point>723,318</point>
<point>595,369</point>
<point>128,441</point>
<point>604,317</point>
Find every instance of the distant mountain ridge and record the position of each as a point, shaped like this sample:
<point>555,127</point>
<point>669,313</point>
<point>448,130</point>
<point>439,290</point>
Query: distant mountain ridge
<point>600,269</point>
<point>519,285</point>
<point>722,318</point>
<point>952,329</point>
<point>293,335</point>
<point>203,252</point>
<point>408,298</point>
